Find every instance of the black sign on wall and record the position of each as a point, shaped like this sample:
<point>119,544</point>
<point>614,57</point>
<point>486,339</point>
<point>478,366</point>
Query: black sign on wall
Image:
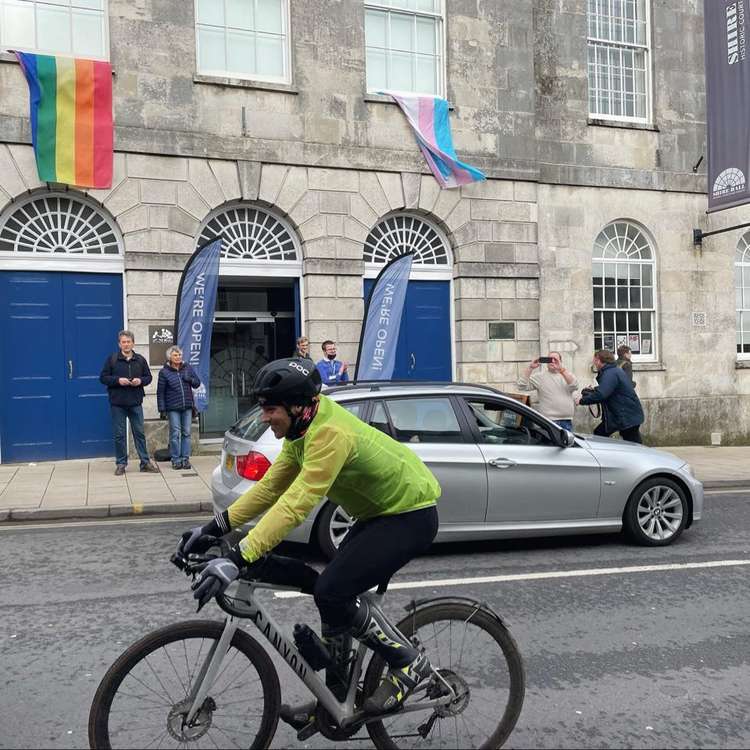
<point>160,338</point>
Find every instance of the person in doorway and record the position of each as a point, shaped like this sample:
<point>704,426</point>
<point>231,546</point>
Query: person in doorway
<point>554,387</point>
<point>125,373</point>
<point>625,361</point>
<point>332,370</point>
<point>621,408</point>
<point>303,348</point>
<point>174,399</point>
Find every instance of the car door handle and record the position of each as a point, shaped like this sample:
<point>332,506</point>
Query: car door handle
<point>501,463</point>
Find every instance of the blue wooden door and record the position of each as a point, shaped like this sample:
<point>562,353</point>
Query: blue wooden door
<point>56,330</point>
<point>424,350</point>
<point>93,316</point>
<point>32,369</point>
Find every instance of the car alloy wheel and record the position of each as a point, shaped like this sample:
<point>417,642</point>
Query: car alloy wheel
<point>660,512</point>
<point>339,525</point>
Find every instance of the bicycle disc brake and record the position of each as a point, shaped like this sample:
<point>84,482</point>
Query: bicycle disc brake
<point>197,728</point>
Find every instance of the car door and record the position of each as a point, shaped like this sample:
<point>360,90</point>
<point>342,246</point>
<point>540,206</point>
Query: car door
<point>531,479</point>
<point>429,426</point>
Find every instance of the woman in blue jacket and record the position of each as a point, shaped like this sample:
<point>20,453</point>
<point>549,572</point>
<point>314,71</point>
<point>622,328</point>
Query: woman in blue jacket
<point>174,398</point>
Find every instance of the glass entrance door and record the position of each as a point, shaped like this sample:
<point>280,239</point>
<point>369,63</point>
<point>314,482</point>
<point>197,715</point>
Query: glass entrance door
<point>241,344</point>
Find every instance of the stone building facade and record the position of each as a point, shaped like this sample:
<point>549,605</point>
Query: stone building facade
<point>322,165</point>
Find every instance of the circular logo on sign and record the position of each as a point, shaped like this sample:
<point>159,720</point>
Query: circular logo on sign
<point>729,181</point>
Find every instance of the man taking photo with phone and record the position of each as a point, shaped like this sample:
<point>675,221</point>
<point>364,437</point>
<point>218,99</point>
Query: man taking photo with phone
<point>554,386</point>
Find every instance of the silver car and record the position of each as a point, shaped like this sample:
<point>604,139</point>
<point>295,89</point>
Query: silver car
<point>506,471</point>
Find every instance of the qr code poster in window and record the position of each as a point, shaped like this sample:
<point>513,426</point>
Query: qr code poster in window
<point>699,319</point>
<point>622,341</point>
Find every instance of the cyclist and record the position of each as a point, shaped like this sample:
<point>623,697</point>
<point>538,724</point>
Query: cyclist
<point>328,451</point>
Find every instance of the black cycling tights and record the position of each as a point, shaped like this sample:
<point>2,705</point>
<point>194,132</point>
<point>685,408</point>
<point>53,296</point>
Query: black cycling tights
<point>369,555</point>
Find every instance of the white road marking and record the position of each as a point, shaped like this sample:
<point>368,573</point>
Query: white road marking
<point>582,573</point>
<point>744,491</point>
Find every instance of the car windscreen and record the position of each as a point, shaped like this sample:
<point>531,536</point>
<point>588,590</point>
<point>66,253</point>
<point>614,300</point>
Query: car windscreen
<point>249,427</point>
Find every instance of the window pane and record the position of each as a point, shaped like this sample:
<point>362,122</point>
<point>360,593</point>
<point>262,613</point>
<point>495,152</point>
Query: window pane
<point>53,29</point>
<point>379,419</point>
<point>87,33</point>
<point>609,274</point>
<point>354,408</point>
<point>426,75</point>
<point>211,50</point>
<point>240,53</point>
<point>270,55</point>
<point>596,272</point>
<point>402,32</point>
<point>622,297</point>
<point>210,11</point>
<point>240,14</point>
<point>598,298</point>
<point>91,4</point>
<point>621,322</point>
<point>609,297</point>
<point>647,275</point>
<point>269,16</point>
<point>18,25</point>
<point>648,297</point>
<point>426,36</point>
<point>376,71</point>
<point>424,420</point>
<point>430,6</point>
<point>401,72</point>
<point>635,297</point>
<point>375,23</point>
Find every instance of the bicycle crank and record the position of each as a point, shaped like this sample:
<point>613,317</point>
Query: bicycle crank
<point>183,732</point>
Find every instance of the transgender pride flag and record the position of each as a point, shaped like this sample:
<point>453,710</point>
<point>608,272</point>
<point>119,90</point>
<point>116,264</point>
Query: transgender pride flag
<point>428,116</point>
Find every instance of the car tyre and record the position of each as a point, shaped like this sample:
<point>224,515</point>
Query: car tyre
<point>332,526</point>
<point>656,512</point>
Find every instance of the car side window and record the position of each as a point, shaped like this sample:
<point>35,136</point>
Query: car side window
<point>424,420</point>
<point>379,419</point>
<point>504,425</point>
<point>355,407</point>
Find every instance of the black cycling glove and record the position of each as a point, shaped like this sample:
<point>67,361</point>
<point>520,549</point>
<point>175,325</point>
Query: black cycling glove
<point>200,538</point>
<point>216,576</point>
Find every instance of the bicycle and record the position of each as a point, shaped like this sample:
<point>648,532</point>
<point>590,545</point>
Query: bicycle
<point>165,691</point>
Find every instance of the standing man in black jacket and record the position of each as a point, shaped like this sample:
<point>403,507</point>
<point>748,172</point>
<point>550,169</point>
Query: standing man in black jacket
<point>621,408</point>
<point>125,373</point>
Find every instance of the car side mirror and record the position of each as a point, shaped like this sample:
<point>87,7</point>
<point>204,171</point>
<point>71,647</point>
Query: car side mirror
<point>567,439</point>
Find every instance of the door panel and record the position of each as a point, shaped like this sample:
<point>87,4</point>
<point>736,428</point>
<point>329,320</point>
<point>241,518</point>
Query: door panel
<point>423,351</point>
<point>530,478</point>
<point>32,407</point>
<point>93,316</point>
<point>428,426</point>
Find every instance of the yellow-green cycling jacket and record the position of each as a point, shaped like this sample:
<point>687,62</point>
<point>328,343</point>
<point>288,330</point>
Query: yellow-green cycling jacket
<point>358,467</point>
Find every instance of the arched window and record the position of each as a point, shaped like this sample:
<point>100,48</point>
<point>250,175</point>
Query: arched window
<point>624,281</point>
<point>742,289</point>
<point>251,233</point>
<point>55,224</point>
<point>402,233</point>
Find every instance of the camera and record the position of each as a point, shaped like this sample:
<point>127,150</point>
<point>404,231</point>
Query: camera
<point>545,360</point>
<point>586,391</point>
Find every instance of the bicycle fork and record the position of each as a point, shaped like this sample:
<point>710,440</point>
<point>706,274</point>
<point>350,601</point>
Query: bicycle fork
<point>209,669</point>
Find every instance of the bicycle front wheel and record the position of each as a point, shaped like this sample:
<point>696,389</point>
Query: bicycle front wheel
<point>472,651</point>
<point>142,700</point>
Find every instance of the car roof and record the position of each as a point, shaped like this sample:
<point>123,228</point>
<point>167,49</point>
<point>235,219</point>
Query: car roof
<point>373,388</point>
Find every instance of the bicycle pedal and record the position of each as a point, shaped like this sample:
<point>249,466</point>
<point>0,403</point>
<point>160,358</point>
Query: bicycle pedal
<point>307,731</point>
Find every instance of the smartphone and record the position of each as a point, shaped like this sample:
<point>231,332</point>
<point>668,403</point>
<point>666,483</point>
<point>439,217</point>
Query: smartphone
<point>545,360</point>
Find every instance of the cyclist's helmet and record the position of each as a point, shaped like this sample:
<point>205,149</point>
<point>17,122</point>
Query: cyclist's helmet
<point>287,382</point>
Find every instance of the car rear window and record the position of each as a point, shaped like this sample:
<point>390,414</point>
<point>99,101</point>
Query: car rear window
<point>249,427</point>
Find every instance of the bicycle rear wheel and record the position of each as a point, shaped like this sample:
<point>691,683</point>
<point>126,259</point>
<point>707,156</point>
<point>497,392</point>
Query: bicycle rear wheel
<point>143,697</point>
<point>474,652</point>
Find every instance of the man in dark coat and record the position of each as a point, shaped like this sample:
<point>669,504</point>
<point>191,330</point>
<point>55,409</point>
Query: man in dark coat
<point>621,408</point>
<point>125,374</point>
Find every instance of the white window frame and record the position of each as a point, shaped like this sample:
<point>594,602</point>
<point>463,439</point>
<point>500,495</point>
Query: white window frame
<point>742,262</point>
<point>286,79</point>
<point>645,48</point>
<point>440,45</point>
<point>598,257</point>
<point>5,44</point>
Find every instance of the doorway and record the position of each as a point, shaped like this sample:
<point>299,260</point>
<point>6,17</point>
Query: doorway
<point>256,321</point>
<point>56,330</point>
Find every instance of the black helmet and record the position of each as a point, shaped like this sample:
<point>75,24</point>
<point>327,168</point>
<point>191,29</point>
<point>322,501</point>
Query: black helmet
<point>287,382</point>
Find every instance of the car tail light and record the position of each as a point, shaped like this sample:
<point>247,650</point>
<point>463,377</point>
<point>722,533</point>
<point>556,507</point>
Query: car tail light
<point>253,466</point>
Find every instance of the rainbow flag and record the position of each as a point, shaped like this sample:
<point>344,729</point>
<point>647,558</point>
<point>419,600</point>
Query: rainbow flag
<point>71,118</point>
<point>428,117</point>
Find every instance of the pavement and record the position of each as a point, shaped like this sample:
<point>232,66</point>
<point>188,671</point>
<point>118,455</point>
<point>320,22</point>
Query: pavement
<point>89,489</point>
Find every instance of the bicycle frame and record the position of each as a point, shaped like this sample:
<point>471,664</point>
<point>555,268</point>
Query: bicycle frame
<point>245,606</point>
